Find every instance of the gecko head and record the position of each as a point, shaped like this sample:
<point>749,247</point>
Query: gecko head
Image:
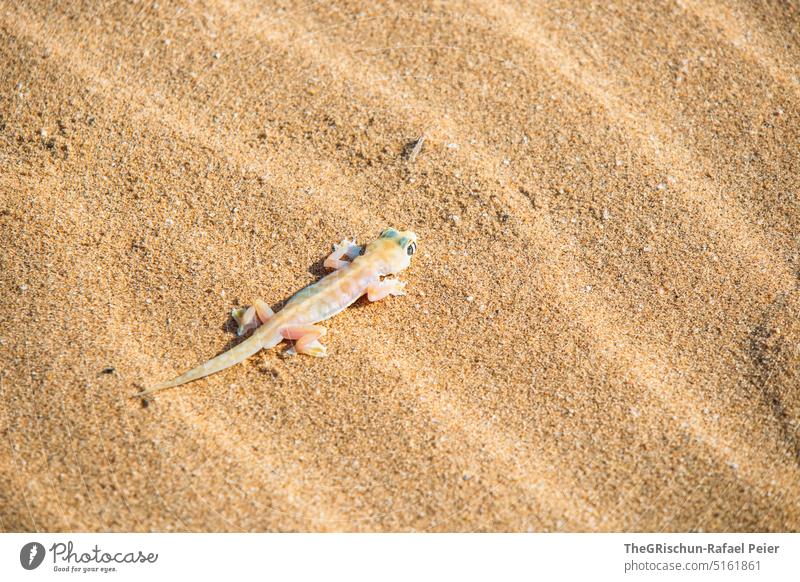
<point>396,247</point>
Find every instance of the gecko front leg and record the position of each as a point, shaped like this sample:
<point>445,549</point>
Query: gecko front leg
<point>380,289</point>
<point>347,248</point>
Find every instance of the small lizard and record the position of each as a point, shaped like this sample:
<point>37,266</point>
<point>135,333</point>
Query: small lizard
<point>362,274</point>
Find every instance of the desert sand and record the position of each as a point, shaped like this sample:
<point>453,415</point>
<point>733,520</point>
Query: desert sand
<point>602,326</point>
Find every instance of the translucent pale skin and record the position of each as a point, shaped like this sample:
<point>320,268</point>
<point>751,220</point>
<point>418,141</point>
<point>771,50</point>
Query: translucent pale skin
<point>361,274</point>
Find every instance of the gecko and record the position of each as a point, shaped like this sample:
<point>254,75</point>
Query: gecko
<point>357,270</point>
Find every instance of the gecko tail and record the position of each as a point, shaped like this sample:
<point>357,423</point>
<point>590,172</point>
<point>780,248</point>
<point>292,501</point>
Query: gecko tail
<point>223,361</point>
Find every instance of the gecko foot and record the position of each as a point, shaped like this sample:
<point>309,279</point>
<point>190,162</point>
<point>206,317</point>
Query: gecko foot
<point>249,318</point>
<point>380,289</point>
<point>347,248</point>
<point>307,337</point>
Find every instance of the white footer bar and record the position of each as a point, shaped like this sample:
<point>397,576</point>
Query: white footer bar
<point>355,557</point>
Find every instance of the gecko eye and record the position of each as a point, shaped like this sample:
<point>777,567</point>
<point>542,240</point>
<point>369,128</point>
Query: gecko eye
<point>411,249</point>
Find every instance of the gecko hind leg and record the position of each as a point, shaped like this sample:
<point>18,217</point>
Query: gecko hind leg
<point>263,310</point>
<point>251,317</point>
<point>307,337</point>
<point>347,248</point>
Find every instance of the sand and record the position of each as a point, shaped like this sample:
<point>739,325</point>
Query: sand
<point>602,326</point>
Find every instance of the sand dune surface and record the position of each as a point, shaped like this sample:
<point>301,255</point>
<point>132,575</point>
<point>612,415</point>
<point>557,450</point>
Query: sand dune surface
<point>602,326</point>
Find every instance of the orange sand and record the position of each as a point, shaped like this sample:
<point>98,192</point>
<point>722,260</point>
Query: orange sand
<point>602,330</point>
